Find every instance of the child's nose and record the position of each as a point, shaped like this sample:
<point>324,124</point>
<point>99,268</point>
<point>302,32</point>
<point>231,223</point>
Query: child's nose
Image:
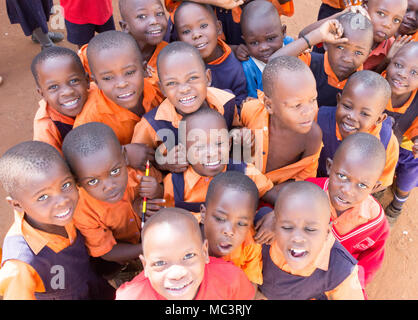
<point>176,272</point>
<point>67,90</point>
<point>122,83</point>
<point>228,230</point>
<point>184,88</point>
<point>196,34</point>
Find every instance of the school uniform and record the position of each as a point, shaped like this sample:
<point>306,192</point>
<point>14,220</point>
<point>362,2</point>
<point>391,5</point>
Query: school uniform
<point>248,258</point>
<point>331,138</point>
<point>254,116</point>
<point>327,83</point>
<point>188,189</point>
<point>333,275</point>
<point>363,231</point>
<point>221,281</point>
<point>50,126</point>
<point>227,73</point>
<point>100,108</point>
<point>405,128</point>
<point>104,224</point>
<point>253,70</point>
<point>167,117</point>
<point>378,54</point>
<point>152,63</point>
<point>33,259</point>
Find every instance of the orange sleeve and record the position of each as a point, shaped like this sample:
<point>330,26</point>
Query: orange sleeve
<point>305,57</point>
<point>412,132</point>
<point>311,166</point>
<point>45,130</point>
<point>263,183</point>
<point>168,191</point>
<point>392,156</point>
<point>145,133</point>
<point>286,9</point>
<point>19,281</point>
<point>98,237</point>
<point>254,263</point>
<point>82,53</point>
<point>349,289</point>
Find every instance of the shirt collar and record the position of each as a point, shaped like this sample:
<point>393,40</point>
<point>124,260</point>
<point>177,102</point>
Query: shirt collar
<point>191,177</point>
<point>47,112</point>
<point>332,77</point>
<point>109,107</point>
<point>321,261</point>
<point>226,52</point>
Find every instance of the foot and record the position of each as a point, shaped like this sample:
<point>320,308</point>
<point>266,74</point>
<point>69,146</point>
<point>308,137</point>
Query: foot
<point>392,213</point>
<point>54,36</point>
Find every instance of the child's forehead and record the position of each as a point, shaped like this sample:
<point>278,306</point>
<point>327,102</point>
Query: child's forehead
<point>181,62</point>
<point>199,12</point>
<point>59,62</point>
<point>207,122</point>
<point>393,6</point>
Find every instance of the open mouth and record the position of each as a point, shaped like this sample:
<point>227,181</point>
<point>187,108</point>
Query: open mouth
<point>201,46</point>
<point>381,34</point>
<point>155,32</point>
<point>398,84</point>
<point>212,164</point>
<point>224,247</point>
<point>297,253</point>
<point>348,127</point>
<point>188,100</point>
<point>126,96</point>
<point>70,104</point>
<point>341,201</point>
<point>306,123</point>
<point>180,289</point>
<point>64,215</point>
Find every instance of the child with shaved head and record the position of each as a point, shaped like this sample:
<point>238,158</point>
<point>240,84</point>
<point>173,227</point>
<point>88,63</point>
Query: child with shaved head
<point>177,265</point>
<point>43,194</point>
<point>359,222</point>
<point>304,261</point>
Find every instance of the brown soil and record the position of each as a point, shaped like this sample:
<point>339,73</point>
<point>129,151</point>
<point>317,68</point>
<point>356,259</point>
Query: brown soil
<point>398,277</point>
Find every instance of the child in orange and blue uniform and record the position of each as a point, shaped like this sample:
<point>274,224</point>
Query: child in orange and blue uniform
<point>197,25</point>
<point>360,108</point>
<point>227,219</point>
<point>409,25</point>
<point>304,261</point>
<point>110,193</point>
<point>44,256</point>
<point>347,48</point>
<point>184,80</point>
<point>403,108</point>
<point>64,87</point>
<point>177,265</point>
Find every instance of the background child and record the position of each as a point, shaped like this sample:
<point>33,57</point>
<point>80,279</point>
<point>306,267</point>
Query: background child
<point>409,25</point>
<point>43,194</point>
<point>63,84</point>
<point>197,25</point>
<point>263,34</point>
<point>360,109</point>
<point>359,222</point>
<point>107,215</point>
<point>177,265</point>
<point>185,81</point>
<point>403,108</point>
<point>227,218</point>
<point>305,261</point>
<point>347,48</point>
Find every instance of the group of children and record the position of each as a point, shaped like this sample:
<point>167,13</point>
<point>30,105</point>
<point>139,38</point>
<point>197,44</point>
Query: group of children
<point>221,178</point>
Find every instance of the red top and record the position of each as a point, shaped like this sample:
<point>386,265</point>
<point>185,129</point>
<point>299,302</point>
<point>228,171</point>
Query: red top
<point>87,11</point>
<point>222,281</point>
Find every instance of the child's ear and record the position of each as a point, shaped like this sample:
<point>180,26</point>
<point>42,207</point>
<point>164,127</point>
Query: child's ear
<point>206,250</point>
<point>161,87</point>
<point>339,95</point>
<point>267,104</point>
<point>124,26</point>
<point>381,118</point>
<point>284,29</point>
<point>208,73</point>
<point>14,204</point>
<point>219,30</point>
<point>144,263</point>
<point>88,80</point>
<point>202,213</point>
<point>39,90</point>
<point>328,165</point>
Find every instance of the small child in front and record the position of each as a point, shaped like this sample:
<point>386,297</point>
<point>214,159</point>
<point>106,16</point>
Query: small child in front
<point>177,265</point>
<point>304,261</point>
<point>358,220</point>
<point>44,256</point>
<point>227,219</point>
<point>109,213</point>
<point>64,86</point>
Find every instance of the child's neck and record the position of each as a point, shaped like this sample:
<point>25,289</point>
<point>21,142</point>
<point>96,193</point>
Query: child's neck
<point>139,108</point>
<point>50,228</point>
<point>399,100</point>
<point>216,54</point>
<point>147,51</point>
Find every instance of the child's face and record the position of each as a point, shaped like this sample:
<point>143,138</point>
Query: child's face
<point>207,145</point>
<point>301,228</point>
<point>346,58</point>
<point>104,174</point>
<point>63,85</point>
<point>174,260</point>
<point>48,198</point>
<point>294,100</point>
<point>351,180</point>
<point>386,17</point>
<point>184,81</point>
<point>120,75</point>
<point>402,72</point>
<point>359,109</point>
<point>197,27</point>
<point>145,20</point>
<point>227,220</point>
<point>263,37</point>
<point>409,23</point>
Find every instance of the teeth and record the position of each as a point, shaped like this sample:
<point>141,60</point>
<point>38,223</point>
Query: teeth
<point>71,103</point>
<point>213,163</point>
<point>179,288</point>
<point>155,31</point>
<point>61,215</point>
<point>347,127</point>
<point>341,200</point>
<point>201,45</point>
<point>187,99</point>
<point>126,95</point>
<point>297,252</point>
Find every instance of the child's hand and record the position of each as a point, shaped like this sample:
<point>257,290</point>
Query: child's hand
<point>331,32</point>
<point>137,154</point>
<point>397,44</point>
<point>227,4</point>
<point>152,207</point>
<point>241,52</point>
<point>150,188</point>
<point>264,228</point>
<point>176,160</point>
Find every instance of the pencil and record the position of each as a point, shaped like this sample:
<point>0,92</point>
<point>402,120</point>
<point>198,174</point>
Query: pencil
<point>144,202</point>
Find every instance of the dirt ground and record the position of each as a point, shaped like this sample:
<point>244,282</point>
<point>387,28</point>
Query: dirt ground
<point>398,277</point>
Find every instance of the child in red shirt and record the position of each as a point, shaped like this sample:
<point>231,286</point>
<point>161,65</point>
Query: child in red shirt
<point>177,265</point>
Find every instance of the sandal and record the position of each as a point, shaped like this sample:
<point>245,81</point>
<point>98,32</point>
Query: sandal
<point>392,213</point>
<point>54,36</point>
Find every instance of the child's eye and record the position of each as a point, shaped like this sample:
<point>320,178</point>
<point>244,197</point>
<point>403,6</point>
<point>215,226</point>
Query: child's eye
<point>74,81</point>
<point>254,43</point>
<point>271,38</point>
<point>53,87</point>
<point>340,47</point>
<point>310,229</point>
<point>141,16</point>
<point>242,224</point>
<point>66,185</point>
<point>43,197</point>
<point>194,78</point>
<point>93,182</point>
<point>114,172</point>
<point>359,53</point>
<point>159,263</point>
<point>341,176</point>
<point>414,72</point>
<point>286,228</point>
<point>203,26</point>
<point>189,256</point>
<point>396,20</point>
<point>380,13</point>
<point>347,107</point>
<point>160,14</point>
<point>107,78</point>
<point>187,31</point>
<point>362,186</point>
<point>131,72</point>
<point>171,83</point>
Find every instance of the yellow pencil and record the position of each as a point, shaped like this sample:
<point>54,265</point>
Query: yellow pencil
<point>144,202</point>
